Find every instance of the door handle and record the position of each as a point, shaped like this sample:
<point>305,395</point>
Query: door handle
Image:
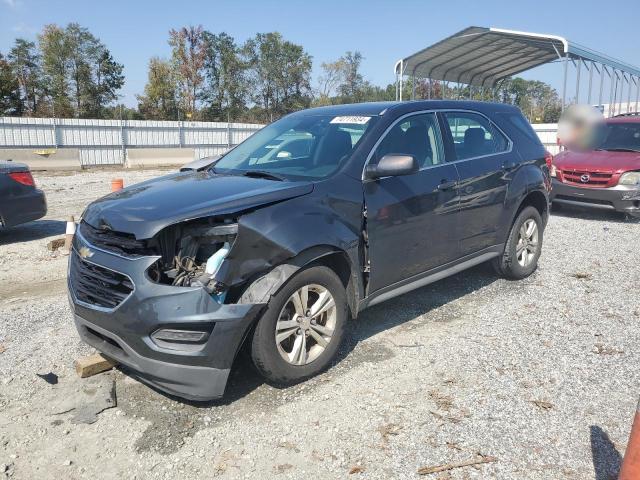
<point>447,185</point>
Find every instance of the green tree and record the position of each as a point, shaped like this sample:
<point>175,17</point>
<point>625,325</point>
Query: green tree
<point>25,61</point>
<point>225,71</point>
<point>353,83</point>
<point>121,111</point>
<point>83,49</point>
<point>188,52</point>
<point>538,101</point>
<point>280,75</point>
<point>160,99</point>
<point>80,74</point>
<point>342,82</point>
<point>108,80</point>
<point>10,98</point>
<point>55,51</point>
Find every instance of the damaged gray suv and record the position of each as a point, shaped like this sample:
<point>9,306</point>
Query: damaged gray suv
<point>317,216</point>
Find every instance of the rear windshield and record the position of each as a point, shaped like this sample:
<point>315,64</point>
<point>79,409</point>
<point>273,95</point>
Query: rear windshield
<point>621,137</point>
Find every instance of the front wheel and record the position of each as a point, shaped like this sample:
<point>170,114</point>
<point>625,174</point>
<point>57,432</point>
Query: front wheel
<point>523,247</point>
<point>302,327</point>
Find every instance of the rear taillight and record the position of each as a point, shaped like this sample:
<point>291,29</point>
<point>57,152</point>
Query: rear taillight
<point>24,178</point>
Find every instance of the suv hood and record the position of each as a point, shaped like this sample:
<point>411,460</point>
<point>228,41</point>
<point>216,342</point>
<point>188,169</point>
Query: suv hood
<point>146,208</point>
<point>598,161</point>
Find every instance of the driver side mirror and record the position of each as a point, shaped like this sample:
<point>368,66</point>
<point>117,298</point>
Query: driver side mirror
<point>392,165</point>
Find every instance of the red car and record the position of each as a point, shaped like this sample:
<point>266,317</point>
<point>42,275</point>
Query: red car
<point>607,177</point>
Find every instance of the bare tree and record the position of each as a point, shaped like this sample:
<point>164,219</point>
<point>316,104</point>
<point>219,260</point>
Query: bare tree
<point>334,74</point>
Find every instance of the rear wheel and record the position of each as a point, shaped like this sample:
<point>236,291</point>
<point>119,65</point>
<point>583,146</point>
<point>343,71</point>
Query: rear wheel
<point>301,330</point>
<point>523,247</point>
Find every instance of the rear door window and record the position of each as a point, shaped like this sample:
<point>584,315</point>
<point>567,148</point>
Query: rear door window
<point>474,136</point>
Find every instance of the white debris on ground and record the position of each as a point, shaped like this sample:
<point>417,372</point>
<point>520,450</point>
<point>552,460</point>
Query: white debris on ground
<point>535,379</point>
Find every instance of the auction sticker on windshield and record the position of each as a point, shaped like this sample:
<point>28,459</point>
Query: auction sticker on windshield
<point>351,119</point>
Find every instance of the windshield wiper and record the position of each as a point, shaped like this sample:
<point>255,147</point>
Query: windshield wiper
<point>263,174</point>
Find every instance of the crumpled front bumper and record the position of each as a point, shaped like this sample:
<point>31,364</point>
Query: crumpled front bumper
<point>124,333</point>
<point>621,198</point>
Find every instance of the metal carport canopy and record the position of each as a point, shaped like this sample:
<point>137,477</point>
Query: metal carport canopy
<point>482,56</point>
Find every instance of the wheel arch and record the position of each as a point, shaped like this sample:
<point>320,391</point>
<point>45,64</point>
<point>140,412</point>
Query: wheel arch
<point>538,200</point>
<point>527,188</point>
<point>261,289</point>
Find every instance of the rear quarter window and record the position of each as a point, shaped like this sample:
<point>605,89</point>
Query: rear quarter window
<point>523,126</point>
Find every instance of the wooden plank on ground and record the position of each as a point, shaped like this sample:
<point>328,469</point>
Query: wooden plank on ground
<point>92,365</point>
<point>55,244</point>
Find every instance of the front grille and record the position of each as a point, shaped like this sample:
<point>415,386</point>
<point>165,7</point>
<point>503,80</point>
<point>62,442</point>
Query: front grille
<point>123,244</point>
<point>95,285</point>
<point>594,179</point>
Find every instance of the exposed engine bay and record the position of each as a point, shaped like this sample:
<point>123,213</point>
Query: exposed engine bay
<point>191,253</point>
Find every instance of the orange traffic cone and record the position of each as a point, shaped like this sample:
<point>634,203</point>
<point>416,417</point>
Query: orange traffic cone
<point>117,184</point>
<point>631,463</point>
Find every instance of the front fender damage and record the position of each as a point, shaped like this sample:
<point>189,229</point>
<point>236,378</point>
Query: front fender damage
<point>269,246</point>
<point>266,285</point>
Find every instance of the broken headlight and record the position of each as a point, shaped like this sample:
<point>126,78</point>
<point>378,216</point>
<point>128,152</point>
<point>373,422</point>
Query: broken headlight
<point>191,253</point>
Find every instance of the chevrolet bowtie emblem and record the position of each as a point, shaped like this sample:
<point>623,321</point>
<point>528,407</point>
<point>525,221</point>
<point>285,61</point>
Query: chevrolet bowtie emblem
<point>85,252</point>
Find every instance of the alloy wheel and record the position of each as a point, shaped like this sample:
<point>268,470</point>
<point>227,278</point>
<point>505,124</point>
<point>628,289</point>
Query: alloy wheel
<point>306,324</point>
<point>528,240</point>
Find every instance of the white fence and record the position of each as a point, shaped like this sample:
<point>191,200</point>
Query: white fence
<point>105,142</point>
<point>548,134</point>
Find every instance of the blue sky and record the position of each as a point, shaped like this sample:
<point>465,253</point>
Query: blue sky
<point>383,31</point>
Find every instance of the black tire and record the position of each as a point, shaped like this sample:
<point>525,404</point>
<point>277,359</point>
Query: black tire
<point>264,350</point>
<point>507,264</point>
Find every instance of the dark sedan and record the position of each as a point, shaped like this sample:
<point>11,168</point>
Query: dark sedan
<point>20,200</point>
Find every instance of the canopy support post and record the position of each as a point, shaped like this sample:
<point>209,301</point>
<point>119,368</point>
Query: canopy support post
<point>602,72</point>
<point>397,85</point>
<point>590,82</point>
<point>616,97</point>
<point>613,74</point>
<point>413,85</point>
<point>564,82</point>
<point>578,81</point>
<point>629,94</point>
<point>401,75</point>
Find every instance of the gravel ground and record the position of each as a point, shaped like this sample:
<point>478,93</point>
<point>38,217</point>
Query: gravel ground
<point>540,376</point>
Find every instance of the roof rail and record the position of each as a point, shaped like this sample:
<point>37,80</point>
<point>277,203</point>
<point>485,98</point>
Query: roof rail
<point>628,114</point>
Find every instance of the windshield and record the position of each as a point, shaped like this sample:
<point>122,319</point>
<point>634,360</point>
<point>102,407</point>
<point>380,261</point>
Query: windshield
<point>300,146</point>
<point>621,136</point>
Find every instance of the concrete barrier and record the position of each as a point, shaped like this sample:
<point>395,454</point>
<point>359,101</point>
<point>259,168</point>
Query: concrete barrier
<point>158,157</point>
<point>44,159</point>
